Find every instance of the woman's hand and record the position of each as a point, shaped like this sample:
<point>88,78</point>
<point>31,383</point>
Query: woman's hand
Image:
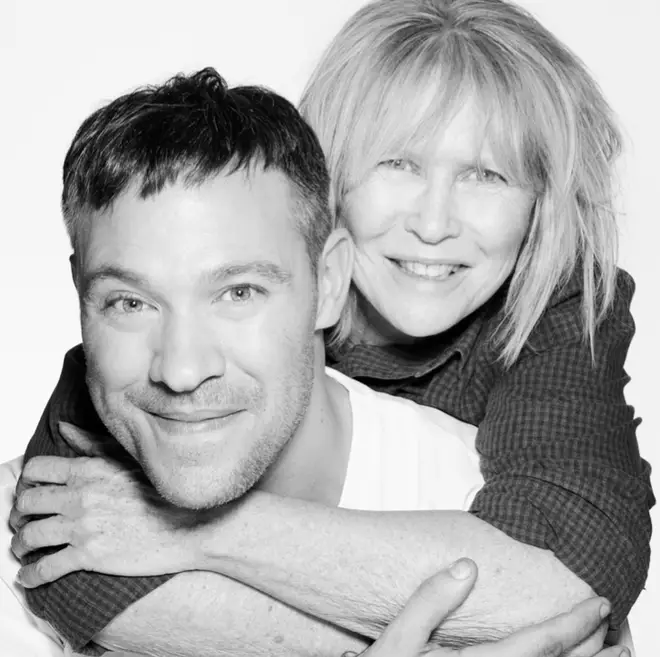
<point>437,597</point>
<point>106,513</point>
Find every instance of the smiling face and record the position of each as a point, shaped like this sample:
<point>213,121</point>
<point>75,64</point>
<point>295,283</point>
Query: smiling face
<point>437,231</point>
<point>198,310</point>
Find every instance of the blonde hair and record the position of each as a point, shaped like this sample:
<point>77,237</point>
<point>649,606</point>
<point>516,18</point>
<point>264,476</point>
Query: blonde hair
<point>399,69</point>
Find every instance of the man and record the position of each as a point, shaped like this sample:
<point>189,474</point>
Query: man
<point>207,270</point>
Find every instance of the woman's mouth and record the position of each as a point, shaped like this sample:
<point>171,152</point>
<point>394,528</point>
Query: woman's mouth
<point>427,271</point>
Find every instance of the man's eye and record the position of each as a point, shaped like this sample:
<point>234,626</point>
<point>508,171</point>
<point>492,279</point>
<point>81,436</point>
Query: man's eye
<point>125,305</point>
<point>239,294</point>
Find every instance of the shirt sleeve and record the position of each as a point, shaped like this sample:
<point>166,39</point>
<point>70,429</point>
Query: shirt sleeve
<point>81,604</point>
<point>560,456</point>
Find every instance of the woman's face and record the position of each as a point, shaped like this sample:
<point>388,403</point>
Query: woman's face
<point>437,231</point>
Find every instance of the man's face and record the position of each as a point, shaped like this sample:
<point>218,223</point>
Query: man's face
<point>198,314</point>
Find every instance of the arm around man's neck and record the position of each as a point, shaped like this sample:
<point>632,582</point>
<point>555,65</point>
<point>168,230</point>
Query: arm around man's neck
<point>356,569</point>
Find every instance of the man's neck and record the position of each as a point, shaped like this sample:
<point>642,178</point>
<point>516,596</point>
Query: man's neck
<point>313,464</point>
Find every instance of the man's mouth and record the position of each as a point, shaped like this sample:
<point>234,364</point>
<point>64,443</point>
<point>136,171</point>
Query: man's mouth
<point>427,271</point>
<point>177,423</point>
<point>196,416</point>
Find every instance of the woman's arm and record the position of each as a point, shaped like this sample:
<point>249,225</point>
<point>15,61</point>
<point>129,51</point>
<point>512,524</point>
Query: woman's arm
<point>352,569</point>
<point>201,614</point>
<point>356,569</point>
<point>559,453</point>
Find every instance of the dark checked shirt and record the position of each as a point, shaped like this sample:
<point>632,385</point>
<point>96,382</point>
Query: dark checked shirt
<point>556,441</point>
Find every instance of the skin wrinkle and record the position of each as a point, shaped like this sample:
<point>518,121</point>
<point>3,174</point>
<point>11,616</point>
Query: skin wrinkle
<point>264,269</point>
<point>435,205</point>
<point>123,404</point>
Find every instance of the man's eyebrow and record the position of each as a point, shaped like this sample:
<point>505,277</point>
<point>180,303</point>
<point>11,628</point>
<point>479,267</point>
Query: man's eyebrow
<point>105,272</point>
<point>262,268</point>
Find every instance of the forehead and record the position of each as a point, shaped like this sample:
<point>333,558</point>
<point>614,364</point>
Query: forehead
<point>464,132</point>
<point>488,125</point>
<point>469,115</point>
<point>186,228</point>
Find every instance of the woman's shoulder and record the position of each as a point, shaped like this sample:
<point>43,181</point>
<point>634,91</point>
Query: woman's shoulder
<point>574,288</point>
<point>563,322</point>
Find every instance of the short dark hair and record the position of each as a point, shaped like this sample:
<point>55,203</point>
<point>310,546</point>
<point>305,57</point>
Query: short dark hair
<point>194,126</point>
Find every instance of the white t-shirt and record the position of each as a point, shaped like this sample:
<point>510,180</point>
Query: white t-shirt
<point>406,457</point>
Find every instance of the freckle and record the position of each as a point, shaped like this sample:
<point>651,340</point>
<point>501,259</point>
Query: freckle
<point>278,639</point>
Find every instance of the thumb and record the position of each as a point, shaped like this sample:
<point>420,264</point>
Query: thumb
<point>434,599</point>
<point>83,442</point>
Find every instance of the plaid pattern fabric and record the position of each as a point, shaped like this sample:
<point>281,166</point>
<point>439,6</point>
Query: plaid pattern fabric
<point>556,440</point>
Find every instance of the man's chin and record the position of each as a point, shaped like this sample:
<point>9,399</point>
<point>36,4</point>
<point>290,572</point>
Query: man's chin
<point>197,492</point>
<point>197,501</point>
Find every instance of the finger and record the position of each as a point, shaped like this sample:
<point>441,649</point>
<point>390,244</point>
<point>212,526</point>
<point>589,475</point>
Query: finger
<point>84,442</point>
<point>551,638</point>
<point>18,519</point>
<point>491,650</point>
<point>48,532</point>
<point>47,470</point>
<point>43,500</point>
<point>49,568</point>
<point>429,605</point>
<point>21,485</point>
<point>614,651</point>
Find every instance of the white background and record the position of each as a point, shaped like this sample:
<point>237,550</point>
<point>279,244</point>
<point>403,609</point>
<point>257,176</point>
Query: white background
<point>59,59</point>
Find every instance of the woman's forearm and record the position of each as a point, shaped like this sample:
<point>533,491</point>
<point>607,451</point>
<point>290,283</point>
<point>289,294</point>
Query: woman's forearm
<point>356,569</point>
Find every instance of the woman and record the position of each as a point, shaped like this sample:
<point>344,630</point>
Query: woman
<point>472,155</point>
<point>485,282</point>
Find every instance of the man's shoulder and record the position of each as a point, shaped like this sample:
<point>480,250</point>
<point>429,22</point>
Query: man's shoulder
<point>407,456</point>
<point>389,415</point>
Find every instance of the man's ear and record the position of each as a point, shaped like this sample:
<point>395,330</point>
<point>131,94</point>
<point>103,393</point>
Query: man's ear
<point>335,269</point>
<point>73,261</point>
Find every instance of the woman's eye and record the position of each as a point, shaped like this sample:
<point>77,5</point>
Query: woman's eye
<point>400,164</point>
<point>488,176</point>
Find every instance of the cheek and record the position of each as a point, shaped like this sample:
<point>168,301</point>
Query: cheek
<point>370,276</point>
<point>508,246</point>
<point>369,212</point>
<point>502,236</point>
<point>115,359</point>
<point>267,347</point>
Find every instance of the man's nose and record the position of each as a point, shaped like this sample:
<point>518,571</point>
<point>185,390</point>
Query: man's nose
<point>187,354</point>
<point>435,217</point>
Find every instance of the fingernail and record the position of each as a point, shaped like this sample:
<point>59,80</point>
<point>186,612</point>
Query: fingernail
<point>624,653</point>
<point>605,610</point>
<point>460,569</point>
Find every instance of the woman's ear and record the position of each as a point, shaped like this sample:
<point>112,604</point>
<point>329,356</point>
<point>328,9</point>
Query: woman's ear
<point>335,269</point>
